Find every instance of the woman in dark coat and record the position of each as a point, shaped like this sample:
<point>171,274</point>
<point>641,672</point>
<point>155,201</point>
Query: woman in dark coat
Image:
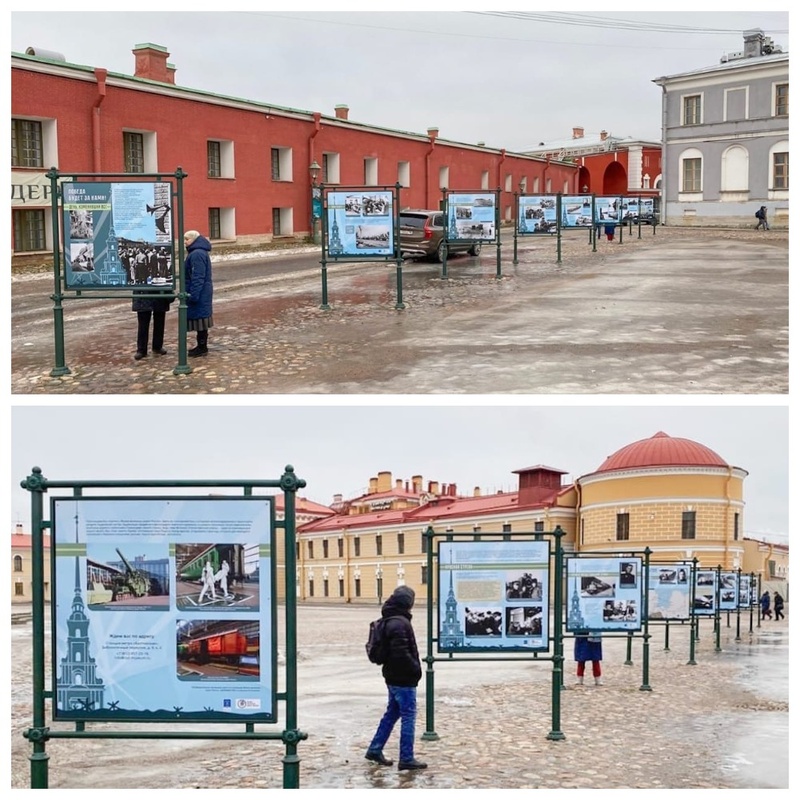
<point>200,288</point>
<point>145,308</point>
<point>589,647</point>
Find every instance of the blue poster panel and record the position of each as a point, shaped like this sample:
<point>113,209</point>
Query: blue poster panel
<point>748,591</point>
<point>728,591</point>
<point>164,609</point>
<point>471,217</point>
<point>118,235</point>
<point>537,214</point>
<point>608,210</point>
<point>576,211</point>
<point>494,596</point>
<point>669,591</point>
<point>634,208</point>
<point>604,594</point>
<point>360,223</point>
<point>705,593</point>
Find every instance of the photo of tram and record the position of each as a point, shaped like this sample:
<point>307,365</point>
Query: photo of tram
<point>224,577</point>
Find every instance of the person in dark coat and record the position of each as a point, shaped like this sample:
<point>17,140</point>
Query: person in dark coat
<point>402,672</point>
<point>765,609</point>
<point>778,606</point>
<point>147,308</point>
<point>589,647</point>
<point>200,288</point>
<point>761,215</point>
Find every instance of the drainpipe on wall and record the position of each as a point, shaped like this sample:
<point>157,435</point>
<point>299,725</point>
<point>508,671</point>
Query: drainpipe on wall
<point>432,132</point>
<point>499,167</point>
<point>97,161</point>
<point>315,224</point>
<point>317,128</point>
<point>663,155</point>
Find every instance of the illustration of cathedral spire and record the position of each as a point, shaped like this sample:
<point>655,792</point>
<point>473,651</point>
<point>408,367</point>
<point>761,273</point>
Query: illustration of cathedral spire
<point>111,271</point>
<point>452,232</point>
<point>451,635</point>
<point>576,618</point>
<point>336,247</point>
<point>78,687</point>
<point>523,227</point>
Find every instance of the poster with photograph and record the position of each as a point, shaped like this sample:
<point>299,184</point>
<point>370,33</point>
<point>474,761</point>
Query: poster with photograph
<point>494,596</point>
<point>604,594</point>
<point>669,591</point>
<point>360,223</point>
<point>118,235</point>
<point>164,609</point>
<point>728,591</point>
<point>471,217</point>
<point>748,591</point>
<point>607,210</point>
<point>537,214</point>
<point>576,211</point>
<point>705,593</point>
<point>636,208</point>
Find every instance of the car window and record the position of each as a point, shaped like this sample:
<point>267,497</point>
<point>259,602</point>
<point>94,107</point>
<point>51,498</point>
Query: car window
<point>438,220</point>
<point>412,221</point>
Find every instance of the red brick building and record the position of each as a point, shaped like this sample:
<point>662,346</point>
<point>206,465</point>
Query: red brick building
<point>247,162</point>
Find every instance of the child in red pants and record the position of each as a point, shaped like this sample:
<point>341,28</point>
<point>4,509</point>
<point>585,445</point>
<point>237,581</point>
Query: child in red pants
<point>589,647</point>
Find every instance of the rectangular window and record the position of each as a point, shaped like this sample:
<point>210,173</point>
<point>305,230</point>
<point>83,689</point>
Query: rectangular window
<point>688,525</point>
<point>214,223</point>
<point>404,173</point>
<point>311,549</point>
<point>401,543</point>
<point>325,589</point>
<point>297,550</point>
<point>423,575</point>
<point>538,527</point>
<point>29,231</point>
<point>276,164</point>
<point>19,589</point>
<point>692,169</point>
<point>780,170</point>
<point>311,588</point>
<point>691,110</point>
<point>356,546</point>
<point>341,587</point>
<point>325,549</point>
<point>623,527</point>
<point>358,587</point>
<point>506,527</point>
<point>782,100</point>
<point>26,143</point>
<point>379,545</point>
<point>370,171</point>
<point>276,222</point>
<point>326,178</point>
<point>771,568</point>
<point>735,527</point>
<point>133,145</point>
<point>340,547</point>
<point>214,160</point>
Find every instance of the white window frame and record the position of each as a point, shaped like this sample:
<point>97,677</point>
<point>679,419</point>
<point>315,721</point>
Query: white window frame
<point>688,155</point>
<point>226,168</point>
<point>404,173</point>
<point>684,98</point>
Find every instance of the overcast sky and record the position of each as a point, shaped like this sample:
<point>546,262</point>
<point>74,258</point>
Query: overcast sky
<point>337,449</point>
<point>508,79</point>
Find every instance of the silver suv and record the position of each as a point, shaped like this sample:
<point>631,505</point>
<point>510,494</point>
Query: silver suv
<point>422,236</point>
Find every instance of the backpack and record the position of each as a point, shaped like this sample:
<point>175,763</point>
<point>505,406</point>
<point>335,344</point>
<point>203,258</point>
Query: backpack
<point>377,645</point>
<point>758,214</point>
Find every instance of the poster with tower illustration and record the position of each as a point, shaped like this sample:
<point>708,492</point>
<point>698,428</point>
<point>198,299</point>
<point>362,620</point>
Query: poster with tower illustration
<point>128,645</point>
<point>494,596</point>
<point>604,594</point>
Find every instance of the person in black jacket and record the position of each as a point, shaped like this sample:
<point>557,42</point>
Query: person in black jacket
<point>402,672</point>
<point>145,308</point>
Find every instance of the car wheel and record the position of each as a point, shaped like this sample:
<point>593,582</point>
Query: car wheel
<point>441,251</point>
<point>475,250</point>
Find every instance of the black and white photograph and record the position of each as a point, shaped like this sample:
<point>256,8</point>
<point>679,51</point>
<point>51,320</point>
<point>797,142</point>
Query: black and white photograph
<point>667,575</point>
<point>81,257</point>
<point>524,586</point>
<point>463,212</point>
<point>592,586</point>
<point>372,236</point>
<point>353,205</point>
<point>627,574</point>
<point>376,205</point>
<point>523,621</point>
<point>483,622</point>
<point>619,610</point>
<point>81,224</point>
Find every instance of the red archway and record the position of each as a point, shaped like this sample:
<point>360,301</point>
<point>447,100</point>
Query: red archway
<point>615,179</point>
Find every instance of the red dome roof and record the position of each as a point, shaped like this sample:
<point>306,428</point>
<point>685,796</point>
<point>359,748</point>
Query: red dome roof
<point>662,450</point>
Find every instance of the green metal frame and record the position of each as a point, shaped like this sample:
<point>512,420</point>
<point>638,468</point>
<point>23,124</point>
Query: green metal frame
<point>59,294</point>
<point>39,733</point>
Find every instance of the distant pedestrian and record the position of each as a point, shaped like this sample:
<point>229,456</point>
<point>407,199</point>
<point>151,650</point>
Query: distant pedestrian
<point>765,610</point>
<point>402,672</point>
<point>761,216</point>
<point>589,647</point>
<point>200,288</point>
<point>778,606</point>
<point>147,308</point>
<point>609,231</point>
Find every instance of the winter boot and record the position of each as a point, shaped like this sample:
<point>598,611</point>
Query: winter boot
<point>598,681</point>
<point>202,345</point>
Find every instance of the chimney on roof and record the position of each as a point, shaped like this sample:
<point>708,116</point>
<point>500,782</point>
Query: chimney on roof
<point>433,487</point>
<point>373,485</point>
<point>416,483</point>
<point>337,499</point>
<point>433,133</point>
<point>603,135</point>
<point>341,111</point>
<point>398,485</point>
<point>19,528</point>
<point>151,63</point>
<point>476,492</point>
<point>577,133</point>
<point>384,481</point>
<point>452,490</point>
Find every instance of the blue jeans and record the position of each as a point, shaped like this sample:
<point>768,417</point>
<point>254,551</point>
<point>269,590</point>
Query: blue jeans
<point>402,705</point>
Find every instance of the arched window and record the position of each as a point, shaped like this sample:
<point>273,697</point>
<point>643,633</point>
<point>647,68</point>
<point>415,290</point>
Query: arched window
<point>691,171</point>
<point>734,169</point>
<point>17,563</point>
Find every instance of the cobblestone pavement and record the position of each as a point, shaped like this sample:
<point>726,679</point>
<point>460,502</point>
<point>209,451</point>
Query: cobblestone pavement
<point>682,311</point>
<point>492,721</point>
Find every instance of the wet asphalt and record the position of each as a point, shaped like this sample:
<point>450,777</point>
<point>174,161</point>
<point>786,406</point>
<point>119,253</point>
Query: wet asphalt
<point>681,311</point>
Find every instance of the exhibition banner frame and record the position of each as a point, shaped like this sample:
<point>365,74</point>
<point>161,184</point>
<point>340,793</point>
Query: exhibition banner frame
<point>669,586</point>
<point>150,638</point>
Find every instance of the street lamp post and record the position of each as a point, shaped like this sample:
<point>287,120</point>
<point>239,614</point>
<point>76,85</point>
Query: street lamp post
<point>316,201</point>
<point>379,583</point>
